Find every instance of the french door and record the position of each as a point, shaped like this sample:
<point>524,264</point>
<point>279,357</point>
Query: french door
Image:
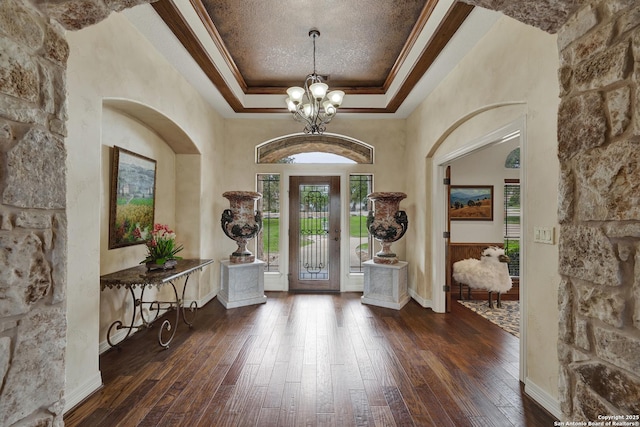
<point>314,233</point>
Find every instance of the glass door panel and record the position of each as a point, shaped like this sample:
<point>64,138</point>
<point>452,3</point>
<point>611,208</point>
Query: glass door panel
<point>314,233</point>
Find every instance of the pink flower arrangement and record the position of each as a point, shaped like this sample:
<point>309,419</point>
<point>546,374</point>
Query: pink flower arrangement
<point>161,245</point>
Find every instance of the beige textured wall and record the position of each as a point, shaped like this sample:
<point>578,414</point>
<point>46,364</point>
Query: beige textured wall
<point>517,64</point>
<point>386,136</point>
<point>112,60</point>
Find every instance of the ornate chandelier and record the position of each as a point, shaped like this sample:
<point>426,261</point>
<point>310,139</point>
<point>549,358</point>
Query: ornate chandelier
<point>312,104</point>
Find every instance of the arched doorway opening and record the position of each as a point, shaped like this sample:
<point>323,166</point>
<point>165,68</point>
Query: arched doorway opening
<point>439,162</point>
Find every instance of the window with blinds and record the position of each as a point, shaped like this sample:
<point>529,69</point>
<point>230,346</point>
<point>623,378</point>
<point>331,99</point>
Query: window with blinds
<point>512,224</point>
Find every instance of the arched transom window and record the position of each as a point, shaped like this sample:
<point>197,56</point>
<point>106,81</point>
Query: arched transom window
<point>276,149</point>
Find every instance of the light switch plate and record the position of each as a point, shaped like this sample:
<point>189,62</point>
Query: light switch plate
<point>544,235</point>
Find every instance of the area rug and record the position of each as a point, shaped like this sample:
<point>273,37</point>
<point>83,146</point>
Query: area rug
<point>507,317</point>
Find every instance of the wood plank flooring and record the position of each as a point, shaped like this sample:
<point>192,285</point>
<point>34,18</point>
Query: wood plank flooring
<point>315,360</point>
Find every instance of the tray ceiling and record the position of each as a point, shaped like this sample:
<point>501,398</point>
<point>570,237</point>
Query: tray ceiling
<point>251,51</point>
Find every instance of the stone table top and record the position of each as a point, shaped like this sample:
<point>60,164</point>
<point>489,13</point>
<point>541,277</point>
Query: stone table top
<point>139,276</point>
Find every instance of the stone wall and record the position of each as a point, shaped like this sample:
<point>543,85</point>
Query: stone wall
<point>33,227</point>
<point>32,217</point>
<point>598,140</point>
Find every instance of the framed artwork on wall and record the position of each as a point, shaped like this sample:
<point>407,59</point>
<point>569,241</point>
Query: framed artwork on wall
<point>132,198</point>
<point>471,202</point>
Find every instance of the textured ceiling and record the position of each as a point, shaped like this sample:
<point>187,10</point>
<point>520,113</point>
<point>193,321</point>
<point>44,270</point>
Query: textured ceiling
<point>359,43</point>
<point>377,51</point>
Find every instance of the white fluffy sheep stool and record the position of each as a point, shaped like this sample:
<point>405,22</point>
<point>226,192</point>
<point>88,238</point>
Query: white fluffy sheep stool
<point>490,272</point>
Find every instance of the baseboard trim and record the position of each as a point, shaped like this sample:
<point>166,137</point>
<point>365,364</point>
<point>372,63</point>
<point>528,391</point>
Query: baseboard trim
<point>544,399</point>
<point>274,288</point>
<point>77,396</point>
<point>426,303</point>
<point>116,338</point>
<point>204,300</point>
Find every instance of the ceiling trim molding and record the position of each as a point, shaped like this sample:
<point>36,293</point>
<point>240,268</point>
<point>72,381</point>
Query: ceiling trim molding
<point>450,24</point>
<point>174,19</point>
<point>215,36</point>
<point>411,41</point>
<point>181,29</point>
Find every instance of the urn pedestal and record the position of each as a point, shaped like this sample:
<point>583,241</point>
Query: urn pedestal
<point>385,285</point>
<point>386,223</point>
<point>241,223</point>
<point>241,284</point>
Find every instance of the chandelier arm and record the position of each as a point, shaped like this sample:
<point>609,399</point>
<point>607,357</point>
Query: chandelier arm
<point>317,111</point>
<point>298,116</point>
<point>324,118</point>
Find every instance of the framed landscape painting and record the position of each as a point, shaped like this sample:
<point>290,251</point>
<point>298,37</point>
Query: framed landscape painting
<point>132,201</point>
<point>471,202</point>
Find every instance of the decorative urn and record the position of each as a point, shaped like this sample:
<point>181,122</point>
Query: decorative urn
<point>386,223</point>
<point>241,223</point>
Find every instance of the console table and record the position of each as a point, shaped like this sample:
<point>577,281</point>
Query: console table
<point>139,277</point>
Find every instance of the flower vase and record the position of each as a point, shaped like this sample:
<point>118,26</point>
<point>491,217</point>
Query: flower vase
<point>241,223</point>
<point>386,223</point>
<point>168,264</point>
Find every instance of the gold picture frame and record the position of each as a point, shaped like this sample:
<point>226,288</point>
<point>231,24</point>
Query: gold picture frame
<point>471,203</point>
<point>132,198</point>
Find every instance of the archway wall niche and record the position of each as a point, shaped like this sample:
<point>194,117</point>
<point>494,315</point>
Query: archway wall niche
<point>176,205</point>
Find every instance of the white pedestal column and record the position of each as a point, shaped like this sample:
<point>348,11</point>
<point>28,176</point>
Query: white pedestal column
<point>385,285</point>
<point>241,284</point>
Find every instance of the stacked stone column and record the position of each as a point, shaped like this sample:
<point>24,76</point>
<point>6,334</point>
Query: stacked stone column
<point>32,215</point>
<point>599,151</point>
<point>33,226</point>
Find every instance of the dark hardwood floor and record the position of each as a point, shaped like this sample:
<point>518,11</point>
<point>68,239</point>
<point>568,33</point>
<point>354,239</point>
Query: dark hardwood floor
<point>315,360</point>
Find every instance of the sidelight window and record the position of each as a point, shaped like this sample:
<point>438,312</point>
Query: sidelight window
<point>268,240</point>
<point>361,244</point>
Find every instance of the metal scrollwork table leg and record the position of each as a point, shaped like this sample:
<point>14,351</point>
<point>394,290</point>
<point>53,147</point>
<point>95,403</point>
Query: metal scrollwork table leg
<point>166,326</point>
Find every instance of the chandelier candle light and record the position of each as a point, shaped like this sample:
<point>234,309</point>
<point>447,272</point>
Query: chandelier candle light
<point>312,104</point>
